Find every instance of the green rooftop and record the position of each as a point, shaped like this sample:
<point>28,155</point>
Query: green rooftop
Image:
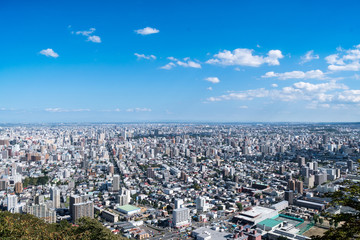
<point>128,208</point>
<point>270,222</point>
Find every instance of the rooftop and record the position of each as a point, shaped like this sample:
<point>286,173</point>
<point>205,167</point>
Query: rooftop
<point>128,208</point>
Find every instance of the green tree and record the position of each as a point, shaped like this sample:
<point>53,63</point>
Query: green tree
<point>240,207</point>
<point>316,218</point>
<point>350,227</point>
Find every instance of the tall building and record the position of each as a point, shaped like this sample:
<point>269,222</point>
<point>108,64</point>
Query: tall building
<point>301,161</point>
<point>289,196</point>
<point>85,209</point>
<point>124,198</point>
<point>12,201</point>
<point>300,187</point>
<point>282,169</point>
<point>18,187</point>
<point>150,173</point>
<point>201,204</point>
<point>116,183</point>
<point>55,197</point>
<point>3,184</point>
<point>39,199</point>
<point>305,171</point>
<point>350,165</point>
<point>309,181</point>
<point>320,178</point>
<point>291,184</point>
<point>74,199</point>
<point>181,217</point>
<point>178,203</point>
<point>43,212</point>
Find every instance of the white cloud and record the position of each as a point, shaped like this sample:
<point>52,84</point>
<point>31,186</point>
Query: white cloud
<point>140,56</point>
<point>313,74</point>
<point>210,88</point>
<point>300,91</point>
<point>49,53</point>
<point>186,62</point>
<point>352,96</point>
<point>90,37</point>
<point>245,57</point>
<point>138,110</point>
<point>274,85</point>
<point>94,38</point>
<point>168,66</point>
<point>242,95</point>
<point>309,56</point>
<point>243,107</point>
<point>147,31</point>
<point>212,79</point>
<point>86,32</point>
<point>344,60</point>
<point>66,110</point>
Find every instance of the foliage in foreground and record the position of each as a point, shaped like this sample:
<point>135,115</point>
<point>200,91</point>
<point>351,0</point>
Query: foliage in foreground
<point>350,227</point>
<point>26,226</point>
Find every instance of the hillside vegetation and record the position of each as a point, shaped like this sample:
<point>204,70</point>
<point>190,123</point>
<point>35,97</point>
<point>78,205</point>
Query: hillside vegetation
<point>26,226</point>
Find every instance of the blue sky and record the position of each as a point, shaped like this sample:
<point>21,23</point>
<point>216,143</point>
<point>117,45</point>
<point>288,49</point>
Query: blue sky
<point>233,61</point>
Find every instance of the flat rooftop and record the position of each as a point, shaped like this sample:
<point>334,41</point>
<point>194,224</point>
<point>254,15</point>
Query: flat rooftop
<point>128,208</point>
<point>256,211</point>
<point>270,222</point>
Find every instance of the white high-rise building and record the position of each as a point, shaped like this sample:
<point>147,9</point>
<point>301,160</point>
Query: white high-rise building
<point>178,203</point>
<point>55,197</point>
<point>124,198</point>
<point>181,217</point>
<point>43,212</point>
<point>12,201</point>
<point>201,204</point>
<point>116,183</point>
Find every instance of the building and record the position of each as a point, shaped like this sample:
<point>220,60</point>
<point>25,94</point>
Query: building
<point>18,187</point>
<point>350,165</point>
<point>85,209</point>
<point>305,171</point>
<point>301,161</point>
<point>12,201</point>
<point>204,233</point>
<point>181,217</point>
<point>116,183</point>
<point>300,187</point>
<point>178,203</point>
<point>150,173</point>
<point>289,196</point>
<point>39,199</point>
<point>74,199</point>
<point>308,204</point>
<point>43,212</point>
<point>4,184</point>
<point>320,178</point>
<point>291,185</point>
<point>256,215</point>
<point>55,197</point>
<point>124,198</point>
<point>128,209</point>
<point>109,216</point>
<point>201,204</point>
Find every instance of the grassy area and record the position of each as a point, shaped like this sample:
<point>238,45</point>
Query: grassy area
<point>315,231</point>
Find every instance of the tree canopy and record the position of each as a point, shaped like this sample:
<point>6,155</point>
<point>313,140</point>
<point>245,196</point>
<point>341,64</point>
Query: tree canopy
<point>26,226</point>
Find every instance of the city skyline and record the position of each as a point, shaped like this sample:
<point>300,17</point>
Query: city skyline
<point>202,61</point>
